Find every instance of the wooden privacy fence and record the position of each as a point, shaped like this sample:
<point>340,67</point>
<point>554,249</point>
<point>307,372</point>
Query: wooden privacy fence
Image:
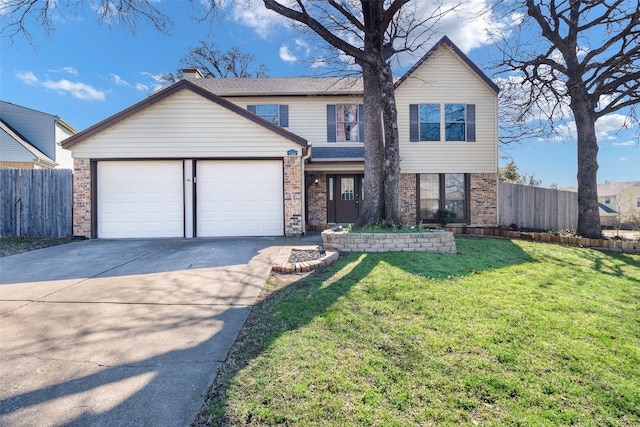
<point>537,208</point>
<point>36,202</point>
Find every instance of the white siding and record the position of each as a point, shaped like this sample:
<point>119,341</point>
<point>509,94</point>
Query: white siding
<point>185,125</point>
<point>307,115</point>
<point>445,79</point>
<point>63,157</point>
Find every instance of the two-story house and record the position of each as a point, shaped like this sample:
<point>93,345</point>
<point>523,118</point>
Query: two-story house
<point>31,139</point>
<point>274,156</point>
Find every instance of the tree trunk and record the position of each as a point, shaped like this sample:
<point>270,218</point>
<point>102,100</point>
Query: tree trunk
<point>588,211</point>
<point>392,214</point>
<point>373,203</point>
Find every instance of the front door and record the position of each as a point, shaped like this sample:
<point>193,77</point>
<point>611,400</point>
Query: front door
<point>347,197</point>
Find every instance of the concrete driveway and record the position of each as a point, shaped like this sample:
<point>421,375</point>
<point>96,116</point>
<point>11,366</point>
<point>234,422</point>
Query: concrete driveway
<point>122,332</point>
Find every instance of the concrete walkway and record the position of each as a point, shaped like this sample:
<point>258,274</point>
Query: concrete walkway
<point>123,332</point>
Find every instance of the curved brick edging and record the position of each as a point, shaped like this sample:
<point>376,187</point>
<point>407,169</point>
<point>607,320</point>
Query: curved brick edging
<point>441,242</point>
<point>284,266</point>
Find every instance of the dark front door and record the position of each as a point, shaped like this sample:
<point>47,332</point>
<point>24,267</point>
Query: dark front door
<point>348,197</point>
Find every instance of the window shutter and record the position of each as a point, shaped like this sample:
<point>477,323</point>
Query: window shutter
<point>361,122</point>
<point>251,108</point>
<point>331,123</point>
<point>414,125</point>
<point>471,122</point>
<point>284,116</point>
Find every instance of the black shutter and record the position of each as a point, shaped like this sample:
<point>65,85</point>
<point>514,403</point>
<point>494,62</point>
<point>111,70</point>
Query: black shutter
<point>361,123</point>
<point>284,116</point>
<point>414,124</point>
<point>331,123</point>
<point>471,122</point>
<point>252,108</point>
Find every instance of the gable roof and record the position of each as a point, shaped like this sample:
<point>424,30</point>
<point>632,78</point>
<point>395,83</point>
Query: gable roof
<point>615,188</point>
<point>282,86</point>
<point>446,41</point>
<point>39,156</point>
<point>167,92</point>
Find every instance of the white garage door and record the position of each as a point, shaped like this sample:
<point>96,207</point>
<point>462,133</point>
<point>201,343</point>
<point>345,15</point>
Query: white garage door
<point>239,198</point>
<point>140,199</point>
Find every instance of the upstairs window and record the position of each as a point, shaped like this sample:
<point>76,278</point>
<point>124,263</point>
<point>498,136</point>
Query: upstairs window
<point>344,123</point>
<point>638,202</point>
<point>607,200</point>
<point>426,122</point>
<point>274,113</point>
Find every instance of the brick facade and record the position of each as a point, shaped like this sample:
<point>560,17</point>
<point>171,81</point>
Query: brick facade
<point>317,204</point>
<point>484,198</point>
<point>293,195</point>
<point>82,197</point>
<point>408,198</point>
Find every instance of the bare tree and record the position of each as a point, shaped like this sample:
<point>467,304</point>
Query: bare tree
<point>215,63</point>
<point>371,32</point>
<point>17,16</point>
<point>587,61</point>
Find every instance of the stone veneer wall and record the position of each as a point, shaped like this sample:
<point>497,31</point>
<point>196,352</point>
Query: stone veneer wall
<point>317,203</point>
<point>82,197</point>
<point>408,198</point>
<point>484,198</point>
<point>436,241</point>
<point>293,194</point>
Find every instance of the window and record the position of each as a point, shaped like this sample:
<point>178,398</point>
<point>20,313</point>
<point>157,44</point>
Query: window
<point>426,122</point>
<point>274,113</point>
<point>344,123</point>
<point>429,122</point>
<point>607,200</point>
<point>454,122</point>
<point>447,191</point>
<point>638,202</point>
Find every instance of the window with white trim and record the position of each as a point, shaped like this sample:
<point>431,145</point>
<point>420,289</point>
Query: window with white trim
<point>447,191</point>
<point>274,113</point>
<point>442,122</point>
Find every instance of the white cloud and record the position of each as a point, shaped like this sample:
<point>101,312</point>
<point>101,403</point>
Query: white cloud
<point>255,15</point>
<point>27,77</point>
<point>607,126</point>
<point>76,89</point>
<point>142,87</point>
<point>287,56</point>
<point>119,81</point>
<point>319,62</point>
<point>622,159</point>
<point>67,70</point>
<point>624,144</point>
<point>157,85</point>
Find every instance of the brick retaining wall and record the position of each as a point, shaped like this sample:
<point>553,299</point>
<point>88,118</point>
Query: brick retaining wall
<point>436,241</point>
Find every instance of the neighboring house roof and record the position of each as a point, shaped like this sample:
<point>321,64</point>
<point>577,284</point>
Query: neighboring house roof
<point>39,156</point>
<point>165,93</point>
<point>446,41</point>
<point>282,86</point>
<point>604,209</point>
<point>614,188</point>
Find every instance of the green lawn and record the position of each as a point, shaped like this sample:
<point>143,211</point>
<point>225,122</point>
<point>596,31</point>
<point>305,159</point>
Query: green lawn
<point>503,333</point>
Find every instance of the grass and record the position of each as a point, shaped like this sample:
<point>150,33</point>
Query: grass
<point>504,333</point>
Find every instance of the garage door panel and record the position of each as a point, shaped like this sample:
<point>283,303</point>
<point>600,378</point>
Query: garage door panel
<point>239,198</point>
<point>140,199</point>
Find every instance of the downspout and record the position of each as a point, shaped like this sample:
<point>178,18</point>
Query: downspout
<point>304,189</point>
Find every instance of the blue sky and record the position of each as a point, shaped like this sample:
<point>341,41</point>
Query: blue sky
<point>84,72</point>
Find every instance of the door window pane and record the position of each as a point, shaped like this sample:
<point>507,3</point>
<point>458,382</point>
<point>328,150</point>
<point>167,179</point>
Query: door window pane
<point>346,189</point>
<point>331,188</point>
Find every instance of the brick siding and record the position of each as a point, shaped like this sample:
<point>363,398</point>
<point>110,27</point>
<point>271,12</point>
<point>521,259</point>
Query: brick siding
<point>484,199</point>
<point>293,194</point>
<point>82,197</point>
<point>408,199</point>
<point>317,203</point>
